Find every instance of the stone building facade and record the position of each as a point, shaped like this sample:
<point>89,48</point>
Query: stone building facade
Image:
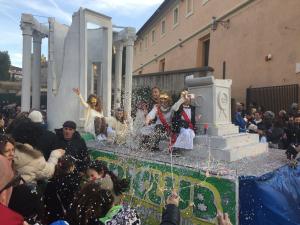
<point>253,42</point>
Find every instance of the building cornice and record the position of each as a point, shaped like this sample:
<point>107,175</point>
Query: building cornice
<point>204,69</point>
<point>203,29</point>
<point>160,10</point>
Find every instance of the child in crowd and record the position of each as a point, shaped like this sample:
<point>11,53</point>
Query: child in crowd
<point>95,205</point>
<point>96,170</point>
<point>99,173</point>
<point>61,189</point>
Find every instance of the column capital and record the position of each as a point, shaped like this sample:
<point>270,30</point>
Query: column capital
<point>130,41</point>
<point>119,46</point>
<point>37,36</point>
<point>26,28</point>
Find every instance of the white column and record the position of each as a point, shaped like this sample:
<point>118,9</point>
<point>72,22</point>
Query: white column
<point>106,71</point>
<point>36,70</point>
<point>26,66</point>
<point>128,76</point>
<point>118,75</point>
<point>91,74</point>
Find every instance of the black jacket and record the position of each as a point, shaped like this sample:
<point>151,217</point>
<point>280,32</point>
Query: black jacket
<point>26,200</point>
<point>75,147</point>
<point>26,131</point>
<point>293,133</point>
<point>47,142</point>
<point>178,122</point>
<point>171,215</point>
<point>59,195</point>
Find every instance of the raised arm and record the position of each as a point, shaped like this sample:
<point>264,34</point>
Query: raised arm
<point>176,106</point>
<point>82,101</point>
<point>151,115</point>
<point>184,96</point>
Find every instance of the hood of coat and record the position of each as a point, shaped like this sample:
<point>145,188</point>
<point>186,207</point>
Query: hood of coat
<point>24,154</point>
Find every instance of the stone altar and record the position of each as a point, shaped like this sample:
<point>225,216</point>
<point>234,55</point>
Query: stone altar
<point>223,140</point>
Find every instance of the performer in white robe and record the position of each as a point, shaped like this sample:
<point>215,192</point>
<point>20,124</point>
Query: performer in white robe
<point>183,123</point>
<point>119,127</point>
<point>93,110</point>
<point>163,113</point>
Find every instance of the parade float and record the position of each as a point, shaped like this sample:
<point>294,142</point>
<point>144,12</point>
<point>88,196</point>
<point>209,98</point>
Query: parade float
<point>226,171</point>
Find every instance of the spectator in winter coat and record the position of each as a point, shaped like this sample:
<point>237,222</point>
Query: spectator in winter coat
<point>21,194</point>
<point>257,125</point>
<point>7,181</point>
<point>46,141</point>
<point>94,206</point>
<point>31,164</point>
<point>14,123</point>
<point>293,110</point>
<point>61,189</point>
<point>239,119</point>
<point>71,141</point>
<point>99,173</point>
<point>7,147</point>
<point>33,133</point>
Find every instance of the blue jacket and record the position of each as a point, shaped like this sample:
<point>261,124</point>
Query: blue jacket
<point>239,121</point>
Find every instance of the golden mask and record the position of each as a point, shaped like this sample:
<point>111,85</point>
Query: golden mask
<point>164,97</point>
<point>93,100</point>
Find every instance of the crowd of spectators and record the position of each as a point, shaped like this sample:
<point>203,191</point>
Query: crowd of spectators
<point>280,130</point>
<point>49,178</point>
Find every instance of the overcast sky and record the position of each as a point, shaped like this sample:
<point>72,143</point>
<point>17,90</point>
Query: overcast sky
<point>132,13</point>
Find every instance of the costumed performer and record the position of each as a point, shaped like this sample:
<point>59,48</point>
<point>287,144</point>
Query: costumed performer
<point>183,123</point>
<point>93,111</point>
<point>119,127</point>
<point>163,113</point>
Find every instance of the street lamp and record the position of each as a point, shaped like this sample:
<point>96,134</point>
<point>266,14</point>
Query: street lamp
<point>215,22</point>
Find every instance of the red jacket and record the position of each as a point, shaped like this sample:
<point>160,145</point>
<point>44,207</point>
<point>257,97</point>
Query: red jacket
<point>9,217</point>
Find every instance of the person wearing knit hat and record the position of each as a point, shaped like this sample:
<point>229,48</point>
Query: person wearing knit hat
<point>70,124</point>
<point>70,140</point>
<point>36,116</point>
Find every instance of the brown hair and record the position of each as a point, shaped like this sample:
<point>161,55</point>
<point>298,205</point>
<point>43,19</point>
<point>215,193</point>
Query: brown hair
<point>4,139</point>
<point>64,165</point>
<point>91,203</point>
<point>155,87</point>
<point>124,114</point>
<point>98,106</point>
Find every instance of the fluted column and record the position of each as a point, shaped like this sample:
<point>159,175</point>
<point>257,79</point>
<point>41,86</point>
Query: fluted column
<point>128,75</point>
<point>36,70</point>
<point>118,75</point>
<point>26,66</point>
<point>106,70</point>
